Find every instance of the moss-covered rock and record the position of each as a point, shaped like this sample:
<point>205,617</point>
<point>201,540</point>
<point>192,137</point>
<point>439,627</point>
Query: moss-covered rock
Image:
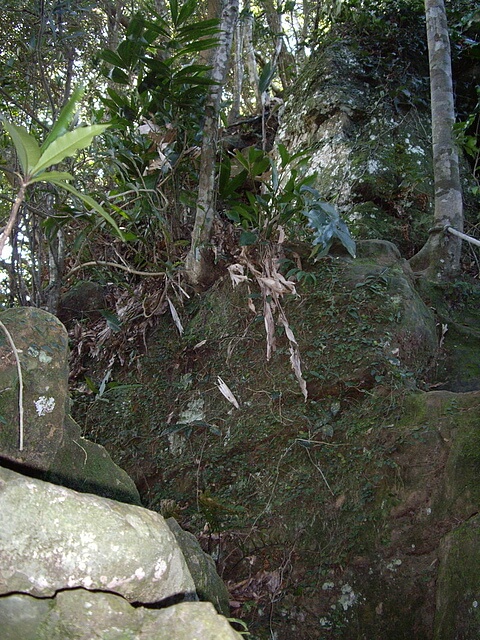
<point>53,538</point>
<point>86,466</point>
<point>208,584</point>
<point>458,584</point>
<point>53,448</point>
<point>83,615</point>
<point>364,121</point>
<point>326,516</point>
<point>41,344</point>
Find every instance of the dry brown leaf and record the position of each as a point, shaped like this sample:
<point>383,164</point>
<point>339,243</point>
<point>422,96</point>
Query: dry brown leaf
<point>269,328</point>
<point>225,391</point>
<point>237,273</point>
<point>175,316</point>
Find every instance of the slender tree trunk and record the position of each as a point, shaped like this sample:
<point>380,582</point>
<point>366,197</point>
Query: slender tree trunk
<point>237,72</point>
<point>282,57</point>
<point>440,257</point>
<point>250,56</point>
<point>197,264</point>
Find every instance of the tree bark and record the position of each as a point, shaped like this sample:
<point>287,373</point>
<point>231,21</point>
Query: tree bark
<point>440,257</point>
<point>197,265</point>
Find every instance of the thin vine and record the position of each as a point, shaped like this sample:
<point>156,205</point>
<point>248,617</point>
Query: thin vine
<point>20,384</point>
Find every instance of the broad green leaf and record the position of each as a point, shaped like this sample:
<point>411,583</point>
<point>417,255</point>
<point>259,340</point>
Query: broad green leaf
<point>242,160</point>
<point>48,176</point>
<point>27,148</point>
<point>284,155</point>
<point>136,27</point>
<point>111,58</point>
<point>186,11</point>
<point>235,182</point>
<point>260,166</point>
<point>233,216</point>
<point>329,210</point>
<point>113,321</point>
<point>67,145</point>
<point>343,234</point>
<point>266,77</point>
<point>275,180</point>
<point>158,66</point>
<point>64,119</point>
<point>317,219</point>
<point>153,30</point>
<point>119,100</point>
<point>90,202</point>
<point>224,176</point>
<point>192,70</point>
<point>130,51</point>
<point>196,47</point>
<point>199,30</point>
<point>193,81</point>
<point>240,213</point>
<point>247,238</point>
<point>119,76</point>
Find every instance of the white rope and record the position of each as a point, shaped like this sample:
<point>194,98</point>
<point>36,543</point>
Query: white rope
<point>463,236</point>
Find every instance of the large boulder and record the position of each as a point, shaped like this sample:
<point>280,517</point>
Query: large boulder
<point>414,339</point>
<point>82,615</point>
<point>364,121</point>
<point>41,345</point>
<point>50,446</point>
<point>53,538</point>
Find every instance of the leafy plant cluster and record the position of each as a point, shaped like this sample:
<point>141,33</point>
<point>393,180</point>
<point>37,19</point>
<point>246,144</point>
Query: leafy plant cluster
<point>268,199</point>
<point>159,81</point>
<point>36,160</point>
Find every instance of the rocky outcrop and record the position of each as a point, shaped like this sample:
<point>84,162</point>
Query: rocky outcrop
<point>458,609</point>
<point>364,120</point>
<point>63,539</point>
<point>72,565</point>
<point>41,343</point>
<point>52,446</point>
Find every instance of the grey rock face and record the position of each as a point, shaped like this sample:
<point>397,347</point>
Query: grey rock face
<point>82,615</point>
<point>52,445</point>
<point>54,538</point>
<point>209,585</point>
<point>42,347</point>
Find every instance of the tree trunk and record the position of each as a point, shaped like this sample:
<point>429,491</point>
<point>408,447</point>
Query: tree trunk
<point>440,257</point>
<point>238,74</point>
<point>282,57</point>
<point>250,57</point>
<point>197,265</point>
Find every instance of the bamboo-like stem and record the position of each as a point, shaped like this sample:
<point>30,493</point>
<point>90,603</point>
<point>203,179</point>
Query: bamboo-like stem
<point>13,215</point>
<point>116,265</point>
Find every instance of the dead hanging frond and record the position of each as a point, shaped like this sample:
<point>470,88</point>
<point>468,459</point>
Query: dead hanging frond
<point>175,316</point>
<point>226,392</point>
<point>273,286</point>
